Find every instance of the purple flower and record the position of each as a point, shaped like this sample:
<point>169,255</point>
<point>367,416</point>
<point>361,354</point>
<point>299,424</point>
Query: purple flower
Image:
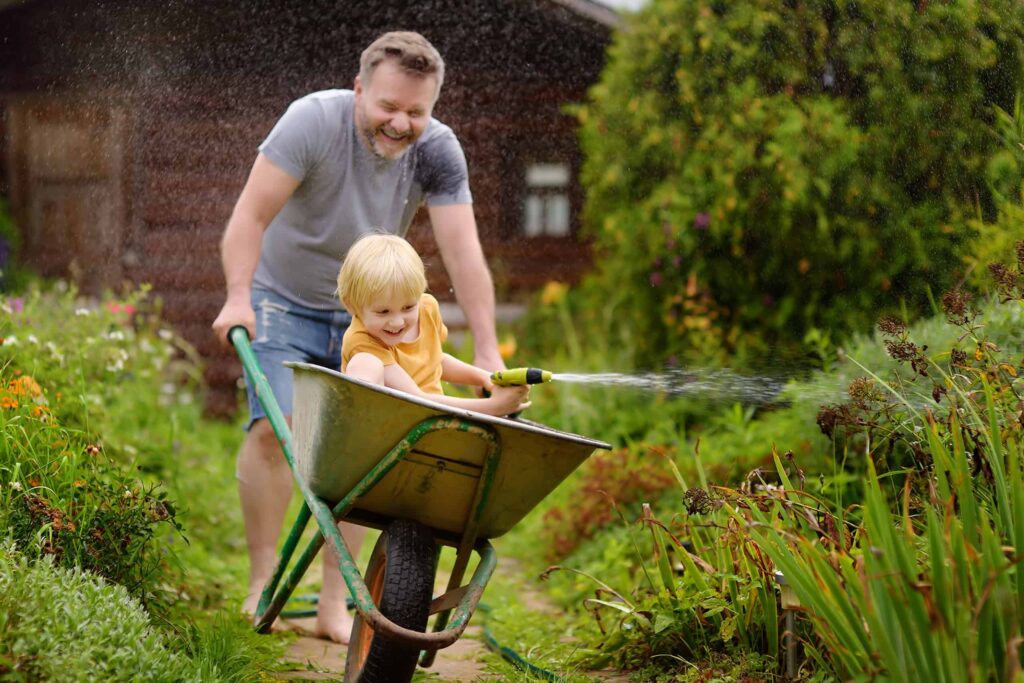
<point>17,305</point>
<point>768,301</point>
<point>655,279</point>
<point>702,221</point>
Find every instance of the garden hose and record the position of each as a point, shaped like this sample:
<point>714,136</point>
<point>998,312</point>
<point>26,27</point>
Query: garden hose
<point>520,376</point>
<point>510,655</point>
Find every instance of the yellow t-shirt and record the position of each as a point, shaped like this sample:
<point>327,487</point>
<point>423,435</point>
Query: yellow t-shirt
<point>421,358</point>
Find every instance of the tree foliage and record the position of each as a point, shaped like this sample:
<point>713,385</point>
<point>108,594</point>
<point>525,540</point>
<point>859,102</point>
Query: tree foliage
<point>767,167</point>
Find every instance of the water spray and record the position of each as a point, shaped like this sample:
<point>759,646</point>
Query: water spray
<point>720,385</point>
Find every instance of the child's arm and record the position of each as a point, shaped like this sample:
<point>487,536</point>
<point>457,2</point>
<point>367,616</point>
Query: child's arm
<point>457,372</point>
<point>503,400</point>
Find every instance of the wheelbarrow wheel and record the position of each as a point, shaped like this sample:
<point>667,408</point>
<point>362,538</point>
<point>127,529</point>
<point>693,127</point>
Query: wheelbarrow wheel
<point>400,579</point>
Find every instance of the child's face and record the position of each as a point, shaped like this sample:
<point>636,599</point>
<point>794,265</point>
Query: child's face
<point>392,318</point>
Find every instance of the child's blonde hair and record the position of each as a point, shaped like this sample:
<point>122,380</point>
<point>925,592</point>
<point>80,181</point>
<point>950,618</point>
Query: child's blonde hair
<point>379,265</point>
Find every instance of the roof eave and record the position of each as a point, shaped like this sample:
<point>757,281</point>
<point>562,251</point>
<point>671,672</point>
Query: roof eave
<point>594,11</point>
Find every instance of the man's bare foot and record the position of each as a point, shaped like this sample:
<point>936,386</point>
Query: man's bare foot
<point>333,622</point>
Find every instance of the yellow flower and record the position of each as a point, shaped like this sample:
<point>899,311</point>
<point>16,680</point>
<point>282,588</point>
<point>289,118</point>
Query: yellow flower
<point>507,347</point>
<point>553,292</point>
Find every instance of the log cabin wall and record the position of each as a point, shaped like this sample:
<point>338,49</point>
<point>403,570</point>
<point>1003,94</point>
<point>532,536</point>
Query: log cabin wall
<point>129,128</point>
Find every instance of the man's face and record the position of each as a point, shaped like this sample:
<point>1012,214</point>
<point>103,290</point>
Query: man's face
<point>393,109</point>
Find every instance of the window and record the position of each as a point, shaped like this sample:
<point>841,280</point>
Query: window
<point>546,209</point>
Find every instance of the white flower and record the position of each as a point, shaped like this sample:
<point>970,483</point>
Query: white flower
<point>11,341</point>
<point>16,485</point>
<point>166,335</point>
<point>82,311</point>
<point>52,348</point>
<point>32,339</point>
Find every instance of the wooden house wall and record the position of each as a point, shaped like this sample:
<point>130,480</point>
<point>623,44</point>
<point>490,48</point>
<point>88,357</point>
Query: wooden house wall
<point>130,127</point>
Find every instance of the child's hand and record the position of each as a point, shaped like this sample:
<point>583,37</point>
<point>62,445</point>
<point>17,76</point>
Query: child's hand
<point>507,400</point>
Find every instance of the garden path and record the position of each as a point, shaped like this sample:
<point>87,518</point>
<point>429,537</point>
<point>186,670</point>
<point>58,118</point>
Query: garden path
<point>319,660</point>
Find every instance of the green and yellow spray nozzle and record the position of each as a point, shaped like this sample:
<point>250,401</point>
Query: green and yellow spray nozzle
<point>518,376</point>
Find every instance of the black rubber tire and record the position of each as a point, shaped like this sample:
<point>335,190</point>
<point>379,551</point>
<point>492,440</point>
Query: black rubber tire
<point>400,578</point>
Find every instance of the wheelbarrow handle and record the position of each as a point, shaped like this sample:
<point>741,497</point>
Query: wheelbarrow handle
<point>237,335</point>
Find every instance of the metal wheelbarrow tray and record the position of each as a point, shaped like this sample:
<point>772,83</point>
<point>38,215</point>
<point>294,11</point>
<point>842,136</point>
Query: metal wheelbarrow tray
<point>428,475</point>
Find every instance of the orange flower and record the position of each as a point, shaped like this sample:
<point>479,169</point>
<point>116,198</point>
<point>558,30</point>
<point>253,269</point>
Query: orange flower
<point>7,401</point>
<point>24,386</point>
<point>507,347</point>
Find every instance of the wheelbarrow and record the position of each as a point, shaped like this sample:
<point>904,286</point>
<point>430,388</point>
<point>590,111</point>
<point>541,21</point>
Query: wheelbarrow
<point>427,476</point>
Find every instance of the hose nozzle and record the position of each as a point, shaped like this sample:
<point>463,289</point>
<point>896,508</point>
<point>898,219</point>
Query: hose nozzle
<point>518,376</point>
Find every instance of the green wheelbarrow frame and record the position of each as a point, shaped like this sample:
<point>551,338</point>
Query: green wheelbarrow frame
<point>464,500</point>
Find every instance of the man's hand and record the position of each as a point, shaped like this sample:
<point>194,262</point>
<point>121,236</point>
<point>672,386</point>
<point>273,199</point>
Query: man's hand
<point>236,311</point>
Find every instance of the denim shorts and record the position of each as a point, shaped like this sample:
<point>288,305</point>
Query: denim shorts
<point>287,331</point>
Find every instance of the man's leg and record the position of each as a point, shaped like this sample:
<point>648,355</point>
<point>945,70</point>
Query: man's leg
<point>333,619</point>
<point>265,487</point>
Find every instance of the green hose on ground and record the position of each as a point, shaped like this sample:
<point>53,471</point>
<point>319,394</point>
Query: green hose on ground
<point>510,655</point>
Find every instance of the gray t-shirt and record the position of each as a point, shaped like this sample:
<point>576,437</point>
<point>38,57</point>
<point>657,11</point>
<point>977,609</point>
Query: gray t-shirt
<point>345,191</point>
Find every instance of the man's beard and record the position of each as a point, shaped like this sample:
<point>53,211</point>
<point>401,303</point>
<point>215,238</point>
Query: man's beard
<point>372,142</point>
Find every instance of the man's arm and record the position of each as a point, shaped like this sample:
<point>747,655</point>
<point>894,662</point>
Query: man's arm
<point>456,234</point>
<point>265,192</point>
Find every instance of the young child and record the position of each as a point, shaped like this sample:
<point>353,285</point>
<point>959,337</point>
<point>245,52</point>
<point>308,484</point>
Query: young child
<point>396,332</point>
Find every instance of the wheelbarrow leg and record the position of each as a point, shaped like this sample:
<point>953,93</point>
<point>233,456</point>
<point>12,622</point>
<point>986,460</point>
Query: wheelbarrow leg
<point>272,601</point>
<point>462,555</point>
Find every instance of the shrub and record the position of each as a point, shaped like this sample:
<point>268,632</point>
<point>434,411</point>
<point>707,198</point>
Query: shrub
<point>768,167</point>
<point>622,479</point>
<point>60,624</point>
<point>993,239</point>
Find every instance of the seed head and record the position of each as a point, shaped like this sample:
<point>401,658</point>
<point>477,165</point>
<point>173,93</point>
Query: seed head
<point>697,502</point>
<point>892,326</point>
<point>955,304</point>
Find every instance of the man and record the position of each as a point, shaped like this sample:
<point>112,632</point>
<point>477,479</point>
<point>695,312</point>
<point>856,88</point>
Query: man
<point>337,165</point>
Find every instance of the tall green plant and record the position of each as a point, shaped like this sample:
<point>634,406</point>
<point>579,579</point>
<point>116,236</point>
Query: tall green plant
<point>930,585</point>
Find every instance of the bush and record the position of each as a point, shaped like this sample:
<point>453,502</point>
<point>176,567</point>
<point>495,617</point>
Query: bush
<point>768,167</point>
<point>61,624</point>
<point>993,239</point>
